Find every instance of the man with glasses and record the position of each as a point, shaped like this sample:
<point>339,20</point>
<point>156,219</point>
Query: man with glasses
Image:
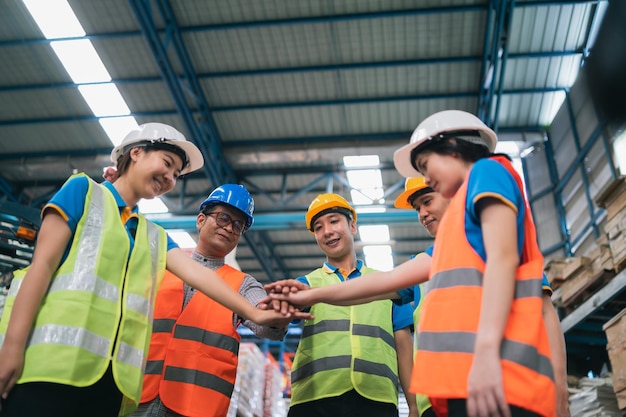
<point>192,361</point>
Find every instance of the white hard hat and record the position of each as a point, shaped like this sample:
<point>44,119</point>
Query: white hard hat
<point>468,126</point>
<point>159,133</point>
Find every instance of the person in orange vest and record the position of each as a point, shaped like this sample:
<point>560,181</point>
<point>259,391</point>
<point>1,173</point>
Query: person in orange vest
<point>402,285</point>
<point>193,355</point>
<point>76,326</point>
<point>483,346</point>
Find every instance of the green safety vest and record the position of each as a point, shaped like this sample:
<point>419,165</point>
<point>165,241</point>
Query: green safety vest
<point>98,309</point>
<point>345,348</point>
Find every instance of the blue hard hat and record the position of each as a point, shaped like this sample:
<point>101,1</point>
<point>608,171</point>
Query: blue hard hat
<point>234,195</point>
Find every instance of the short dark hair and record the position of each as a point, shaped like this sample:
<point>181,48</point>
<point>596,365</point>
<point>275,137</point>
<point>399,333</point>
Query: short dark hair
<point>419,193</point>
<point>468,151</point>
<point>340,210</point>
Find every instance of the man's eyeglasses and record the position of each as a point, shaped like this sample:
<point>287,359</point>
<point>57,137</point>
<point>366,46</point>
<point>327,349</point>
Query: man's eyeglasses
<point>223,220</point>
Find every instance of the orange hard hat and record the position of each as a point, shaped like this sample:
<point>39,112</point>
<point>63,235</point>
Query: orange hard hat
<point>412,185</point>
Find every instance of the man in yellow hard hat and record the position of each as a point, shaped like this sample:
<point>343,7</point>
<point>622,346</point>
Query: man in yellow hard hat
<point>346,362</point>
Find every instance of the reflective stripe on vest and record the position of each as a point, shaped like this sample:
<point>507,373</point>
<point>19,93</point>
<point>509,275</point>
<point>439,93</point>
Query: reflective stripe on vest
<point>97,274</point>
<point>345,348</point>
<point>198,384</point>
<point>451,312</point>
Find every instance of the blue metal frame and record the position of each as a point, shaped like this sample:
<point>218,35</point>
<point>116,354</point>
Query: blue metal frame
<point>204,133</point>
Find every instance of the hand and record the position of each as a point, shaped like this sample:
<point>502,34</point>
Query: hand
<point>285,286</point>
<point>485,390</point>
<point>109,173</point>
<point>562,403</point>
<point>299,300</point>
<point>11,366</point>
<point>276,319</point>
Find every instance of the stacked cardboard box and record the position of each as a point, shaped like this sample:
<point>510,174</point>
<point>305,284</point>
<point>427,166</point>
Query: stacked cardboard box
<point>615,330</point>
<point>613,199</point>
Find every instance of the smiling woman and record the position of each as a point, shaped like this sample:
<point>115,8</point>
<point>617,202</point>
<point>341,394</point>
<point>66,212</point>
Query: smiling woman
<point>96,251</point>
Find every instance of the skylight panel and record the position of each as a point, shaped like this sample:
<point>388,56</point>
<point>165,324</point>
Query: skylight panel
<point>365,196</point>
<point>118,127</point>
<point>378,257</point>
<point>81,61</point>
<point>104,99</point>
<point>376,233</point>
<point>55,18</point>
<point>365,178</point>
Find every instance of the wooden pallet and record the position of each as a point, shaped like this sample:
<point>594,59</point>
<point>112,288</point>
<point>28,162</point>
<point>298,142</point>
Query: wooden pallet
<point>592,283</point>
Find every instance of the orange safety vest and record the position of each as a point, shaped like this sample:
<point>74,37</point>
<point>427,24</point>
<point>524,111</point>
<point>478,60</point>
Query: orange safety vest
<point>193,356</point>
<point>449,320</point>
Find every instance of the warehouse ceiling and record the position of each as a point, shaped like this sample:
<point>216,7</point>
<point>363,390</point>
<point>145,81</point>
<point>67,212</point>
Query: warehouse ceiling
<point>276,93</point>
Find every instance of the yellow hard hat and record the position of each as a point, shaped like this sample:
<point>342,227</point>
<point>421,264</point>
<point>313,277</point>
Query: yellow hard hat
<point>412,185</point>
<point>325,202</point>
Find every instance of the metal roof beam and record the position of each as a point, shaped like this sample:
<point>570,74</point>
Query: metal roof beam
<point>292,220</point>
<point>308,20</point>
<point>204,132</point>
<point>292,70</point>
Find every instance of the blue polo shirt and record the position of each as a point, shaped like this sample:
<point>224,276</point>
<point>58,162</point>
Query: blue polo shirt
<point>69,202</point>
<point>413,294</point>
<point>401,316</point>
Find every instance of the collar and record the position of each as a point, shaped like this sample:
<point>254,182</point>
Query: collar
<point>118,198</point>
<point>209,262</point>
<point>328,268</point>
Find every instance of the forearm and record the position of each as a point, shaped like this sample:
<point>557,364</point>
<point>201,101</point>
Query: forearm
<point>208,282</point>
<point>27,302</point>
<point>499,229</point>
<point>346,294</point>
<point>558,355</point>
<point>496,303</point>
<point>252,291</point>
<point>378,285</point>
<point>404,350</point>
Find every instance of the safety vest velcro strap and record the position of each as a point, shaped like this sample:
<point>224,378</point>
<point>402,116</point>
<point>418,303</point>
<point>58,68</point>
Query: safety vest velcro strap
<point>130,355</point>
<point>464,342</point>
<point>373,331</point>
<point>199,378</point>
<point>154,367</point>
<point>470,277</point>
<point>214,339</point>
<point>326,326</point>
<point>373,368</point>
<point>319,365</point>
<point>56,334</point>
<point>163,325</point>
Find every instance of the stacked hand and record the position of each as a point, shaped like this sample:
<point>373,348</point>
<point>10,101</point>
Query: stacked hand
<point>287,296</point>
